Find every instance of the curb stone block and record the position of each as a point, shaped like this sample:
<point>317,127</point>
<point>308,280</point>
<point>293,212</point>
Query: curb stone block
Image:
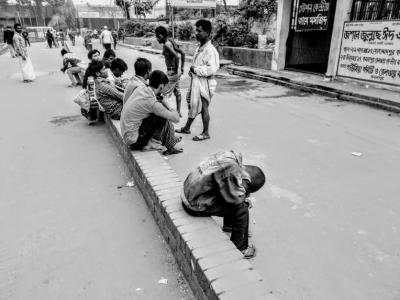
<point>203,252</point>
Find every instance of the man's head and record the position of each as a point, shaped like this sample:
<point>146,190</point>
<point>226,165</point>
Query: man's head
<point>94,55</point>
<point>9,27</point>
<point>118,67</point>
<point>105,27</point>
<point>142,67</point>
<point>257,179</point>
<point>18,27</point>
<point>63,51</point>
<point>161,34</point>
<point>203,30</point>
<point>109,54</point>
<point>97,69</point>
<point>157,81</point>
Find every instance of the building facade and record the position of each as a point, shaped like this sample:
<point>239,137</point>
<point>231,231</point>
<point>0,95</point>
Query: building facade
<point>359,39</point>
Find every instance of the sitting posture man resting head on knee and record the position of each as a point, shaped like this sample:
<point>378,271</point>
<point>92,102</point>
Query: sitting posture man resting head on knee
<point>220,186</point>
<point>145,117</point>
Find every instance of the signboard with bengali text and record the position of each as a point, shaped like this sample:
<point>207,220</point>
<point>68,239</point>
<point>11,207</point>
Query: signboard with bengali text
<point>194,3</point>
<point>371,51</point>
<point>312,15</point>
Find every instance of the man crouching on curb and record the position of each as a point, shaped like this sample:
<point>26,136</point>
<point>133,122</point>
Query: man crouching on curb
<point>220,186</point>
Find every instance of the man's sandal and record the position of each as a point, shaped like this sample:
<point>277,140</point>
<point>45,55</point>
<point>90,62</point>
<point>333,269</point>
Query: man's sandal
<point>200,137</point>
<point>182,130</point>
<point>249,252</point>
<point>172,151</point>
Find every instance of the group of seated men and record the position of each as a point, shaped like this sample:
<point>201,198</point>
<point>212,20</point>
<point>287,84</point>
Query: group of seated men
<point>146,118</point>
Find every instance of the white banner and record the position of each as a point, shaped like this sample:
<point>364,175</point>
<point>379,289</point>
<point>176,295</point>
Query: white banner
<point>194,3</point>
<point>371,51</point>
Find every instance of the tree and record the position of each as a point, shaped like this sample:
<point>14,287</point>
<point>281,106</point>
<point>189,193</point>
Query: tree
<point>142,7</point>
<point>257,9</point>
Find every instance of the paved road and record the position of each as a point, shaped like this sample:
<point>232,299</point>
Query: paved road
<point>327,225</point>
<point>67,230</point>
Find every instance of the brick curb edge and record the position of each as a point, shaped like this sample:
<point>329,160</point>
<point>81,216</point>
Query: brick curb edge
<point>213,266</point>
<point>319,89</point>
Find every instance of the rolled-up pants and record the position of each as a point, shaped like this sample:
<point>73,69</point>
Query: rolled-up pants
<point>75,74</point>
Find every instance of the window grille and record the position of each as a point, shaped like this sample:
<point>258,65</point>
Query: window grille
<point>375,10</point>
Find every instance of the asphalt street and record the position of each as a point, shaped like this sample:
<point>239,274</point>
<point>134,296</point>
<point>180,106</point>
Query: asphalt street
<point>70,228</point>
<point>327,223</point>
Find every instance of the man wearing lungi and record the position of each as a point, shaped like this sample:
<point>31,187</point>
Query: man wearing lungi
<point>28,73</point>
<point>203,84</point>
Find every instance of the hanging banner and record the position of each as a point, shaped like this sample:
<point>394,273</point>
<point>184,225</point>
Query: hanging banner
<point>371,51</point>
<point>312,15</point>
<point>194,3</point>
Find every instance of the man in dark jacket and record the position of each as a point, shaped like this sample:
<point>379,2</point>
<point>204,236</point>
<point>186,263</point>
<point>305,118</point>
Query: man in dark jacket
<point>8,39</point>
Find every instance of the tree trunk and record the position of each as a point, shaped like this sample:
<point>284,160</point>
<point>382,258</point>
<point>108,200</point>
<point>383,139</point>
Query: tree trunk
<point>225,6</point>
<point>39,13</point>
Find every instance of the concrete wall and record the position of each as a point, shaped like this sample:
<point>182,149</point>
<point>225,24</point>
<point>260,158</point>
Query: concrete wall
<point>256,58</point>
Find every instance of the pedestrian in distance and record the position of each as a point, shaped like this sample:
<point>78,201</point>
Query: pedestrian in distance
<point>106,38</point>
<point>221,186</point>
<point>171,54</point>
<point>71,36</point>
<point>142,74</point>
<point>115,38</point>
<point>28,73</point>
<point>49,38</point>
<point>8,36</point>
<point>61,35</point>
<point>202,84</point>
<point>146,118</point>
<point>87,40</point>
<point>25,35</point>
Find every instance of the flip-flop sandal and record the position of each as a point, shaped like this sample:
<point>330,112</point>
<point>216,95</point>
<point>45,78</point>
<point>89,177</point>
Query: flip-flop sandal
<point>172,151</point>
<point>182,130</point>
<point>201,137</point>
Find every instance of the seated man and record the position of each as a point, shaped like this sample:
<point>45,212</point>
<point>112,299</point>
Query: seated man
<point>72,65</point>
<point>118,68</point>
<point>220,186</point>
<point>142,71</point>
<point>107,94</point>
<point>93,55</point>
<point>145,117</point>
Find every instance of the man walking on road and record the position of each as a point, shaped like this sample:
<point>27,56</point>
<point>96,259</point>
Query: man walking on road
<point>28,73</point>
<point>8,39</point>
<point>203,84</point>
<point>220,186</point>
<point>106,38</point>
<point>170,52</point>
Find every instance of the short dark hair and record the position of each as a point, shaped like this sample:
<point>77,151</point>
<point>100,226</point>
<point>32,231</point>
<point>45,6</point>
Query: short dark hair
<point>142,66</point>
<point>257,178</point>
<point>92,52</point>
<point>205,24</point>
<point>119,64</point>
<point>157,78</point>
<point>108,53</point>
<point>161,30</point>
<point>64,51</point>
<point>16,25</point>
<point>94,67</point>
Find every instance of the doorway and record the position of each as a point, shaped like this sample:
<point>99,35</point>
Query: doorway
<point>308,44</point>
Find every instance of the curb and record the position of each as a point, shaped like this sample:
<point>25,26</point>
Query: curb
<point>212,265</point>
<point>380,103</point>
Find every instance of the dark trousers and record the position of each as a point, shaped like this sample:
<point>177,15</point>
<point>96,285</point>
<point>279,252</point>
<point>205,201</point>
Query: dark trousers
<point>149,127</point>
<point>235,217</point>
<point>50,43</point>
<point>107,46</point>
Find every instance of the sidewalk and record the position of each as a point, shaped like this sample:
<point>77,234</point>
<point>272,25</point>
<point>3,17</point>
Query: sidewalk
<point>341,89</point>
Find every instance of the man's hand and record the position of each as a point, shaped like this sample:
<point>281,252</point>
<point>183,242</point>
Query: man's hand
<point>249,200</point>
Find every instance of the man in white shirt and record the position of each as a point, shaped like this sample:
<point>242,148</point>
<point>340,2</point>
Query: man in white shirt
<point>106,38</point>
<point>203,84</point>
<point>142,74</point>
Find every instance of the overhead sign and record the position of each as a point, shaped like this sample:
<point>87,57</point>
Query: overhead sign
<point>89,14</point>
<point>194,3</point>
<point>371,51</point>
<point>312,15</point>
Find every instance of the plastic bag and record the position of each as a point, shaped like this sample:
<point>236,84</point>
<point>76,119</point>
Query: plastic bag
<point>83,100</point>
